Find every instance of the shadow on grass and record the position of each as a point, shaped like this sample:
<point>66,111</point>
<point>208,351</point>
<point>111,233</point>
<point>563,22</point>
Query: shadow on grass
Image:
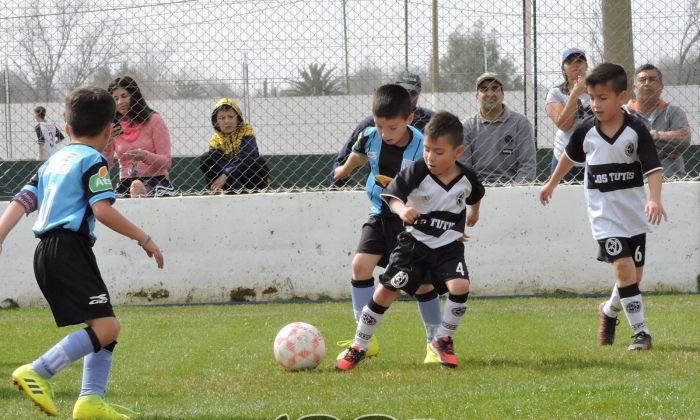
<point>677,347</point>
<point>554,364</point>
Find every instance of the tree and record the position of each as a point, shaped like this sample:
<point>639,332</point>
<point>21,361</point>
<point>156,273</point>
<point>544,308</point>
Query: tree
<point>315,81</point>
<point>472,53</point>
<point>366,79</point>
<point>689,58</point>
<point>66,44</point>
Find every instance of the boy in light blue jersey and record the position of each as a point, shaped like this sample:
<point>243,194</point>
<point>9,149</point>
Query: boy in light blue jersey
<point>388,147</point>
<point>71,190</point>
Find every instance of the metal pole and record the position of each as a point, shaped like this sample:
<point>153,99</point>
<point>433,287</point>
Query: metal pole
<point>8,113</point>
<point>435,65</point>
<point>534,70</point>
<point>345,44</point>
<point>246,93</point>
<point>405,21</point>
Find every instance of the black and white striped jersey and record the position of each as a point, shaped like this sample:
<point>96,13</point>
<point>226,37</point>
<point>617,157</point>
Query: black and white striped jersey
<point>442,207</point>
<point>615,171</point>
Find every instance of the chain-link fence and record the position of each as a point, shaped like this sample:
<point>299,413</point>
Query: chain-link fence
<point>301,75</point>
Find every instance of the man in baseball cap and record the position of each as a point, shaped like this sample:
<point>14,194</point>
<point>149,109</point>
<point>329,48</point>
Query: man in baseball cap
<point>498,140</point>
<point>409,81</point>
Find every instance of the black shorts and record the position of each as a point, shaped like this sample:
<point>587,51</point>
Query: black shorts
<point>156,186</point>
<point>412,262</point>
<point>67,274</point>
<point>379,237</point>
<point>611,249</point>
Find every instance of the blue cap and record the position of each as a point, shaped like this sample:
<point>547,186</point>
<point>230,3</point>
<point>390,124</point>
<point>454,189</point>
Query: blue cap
<point>572,51</point>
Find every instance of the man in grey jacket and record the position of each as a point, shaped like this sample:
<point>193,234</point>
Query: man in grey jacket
<point>498,140</point>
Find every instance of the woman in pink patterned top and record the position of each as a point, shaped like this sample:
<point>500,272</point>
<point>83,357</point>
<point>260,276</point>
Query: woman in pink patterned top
<point>141,142</point>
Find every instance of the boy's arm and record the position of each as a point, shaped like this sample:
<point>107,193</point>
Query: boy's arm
<point>354,161</point>
<point>110,217</point>
<point>407,214</point>
<point>9,219</point>
<point>654,209</point>
<point>563,167</point>
<point>473,214</point>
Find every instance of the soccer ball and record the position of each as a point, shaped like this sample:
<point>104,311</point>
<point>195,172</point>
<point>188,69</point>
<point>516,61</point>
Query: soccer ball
<point>299,346</point>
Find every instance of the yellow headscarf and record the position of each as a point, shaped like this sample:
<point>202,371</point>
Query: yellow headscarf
<point>230,143</point>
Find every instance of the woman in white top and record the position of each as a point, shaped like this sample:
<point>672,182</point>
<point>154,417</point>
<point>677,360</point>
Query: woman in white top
<point>567,104</point>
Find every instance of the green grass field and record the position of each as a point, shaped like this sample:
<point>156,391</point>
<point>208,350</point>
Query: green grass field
<point>520,357</point>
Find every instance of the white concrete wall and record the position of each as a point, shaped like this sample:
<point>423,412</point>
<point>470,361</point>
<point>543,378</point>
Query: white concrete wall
<point>302,244</point>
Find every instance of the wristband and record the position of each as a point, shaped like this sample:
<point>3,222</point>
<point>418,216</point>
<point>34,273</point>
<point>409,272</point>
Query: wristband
<point>145,242</point>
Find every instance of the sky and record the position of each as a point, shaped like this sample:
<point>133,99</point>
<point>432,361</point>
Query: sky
<point>210,40</point>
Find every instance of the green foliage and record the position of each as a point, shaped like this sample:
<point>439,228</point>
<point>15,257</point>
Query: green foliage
<point>315,81</point>
<point>471,54</point>
<point>519,358</point>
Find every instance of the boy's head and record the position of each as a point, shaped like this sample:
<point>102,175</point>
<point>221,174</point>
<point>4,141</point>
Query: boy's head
<point>89,113</point>
<point>391,108</point>
<point>40,113</point>
<point>443,143</point>
<point>226,116</point>
<point>607,87</point>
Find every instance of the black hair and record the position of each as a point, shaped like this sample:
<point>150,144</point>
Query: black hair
<point>88,111</point>
<point>391,101</point>
<point>40,111</point>
<point>139,111</point>
<point>647,66</point>
<point>610,74</point>
<point>445,124</point>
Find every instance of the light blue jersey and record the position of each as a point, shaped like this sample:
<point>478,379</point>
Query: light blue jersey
<point>66,186</point>
<point>385,160</point>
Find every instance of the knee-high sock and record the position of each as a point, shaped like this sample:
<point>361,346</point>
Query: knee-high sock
<point>429,307</point>
<point>361,292</point>
<point>455,308</point>
<point>613,306</point>
<point>71,348</point>
<point>371,316</point>
<point>631,300</point>
<point>96,368</point>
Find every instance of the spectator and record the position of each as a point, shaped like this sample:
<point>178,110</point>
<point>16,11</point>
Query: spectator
<point>412,83</point>
<point>141,142</point>
<point>498,140</point>
<point>667,123</point>
<point>568,104</point>
<point>48,135</point>
<point>233,162</point>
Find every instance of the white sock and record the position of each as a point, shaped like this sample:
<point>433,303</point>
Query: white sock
<point>451,317</point>
<point>365,327</point>
<point>634,309</point>
<point>613,305</point>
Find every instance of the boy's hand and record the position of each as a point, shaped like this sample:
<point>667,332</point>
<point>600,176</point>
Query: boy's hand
<point>409,215</point>
<point>152,251</point>
<point>219,182</point>
<point>655,211</point>
<point>464,237</point>
<point>546,193</point>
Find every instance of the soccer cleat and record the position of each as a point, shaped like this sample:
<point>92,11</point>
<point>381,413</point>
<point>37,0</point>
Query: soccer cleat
<point>444,351</point>
<point>430,357</point>
<point>36,387</point>
<point>353,356</point>
<point>372,349</point>
<point>642,341</point>
<point>606,329</point>
<point>94,407</point>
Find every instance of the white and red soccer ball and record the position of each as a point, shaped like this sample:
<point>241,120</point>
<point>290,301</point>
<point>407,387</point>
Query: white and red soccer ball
<point>299,346</point>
